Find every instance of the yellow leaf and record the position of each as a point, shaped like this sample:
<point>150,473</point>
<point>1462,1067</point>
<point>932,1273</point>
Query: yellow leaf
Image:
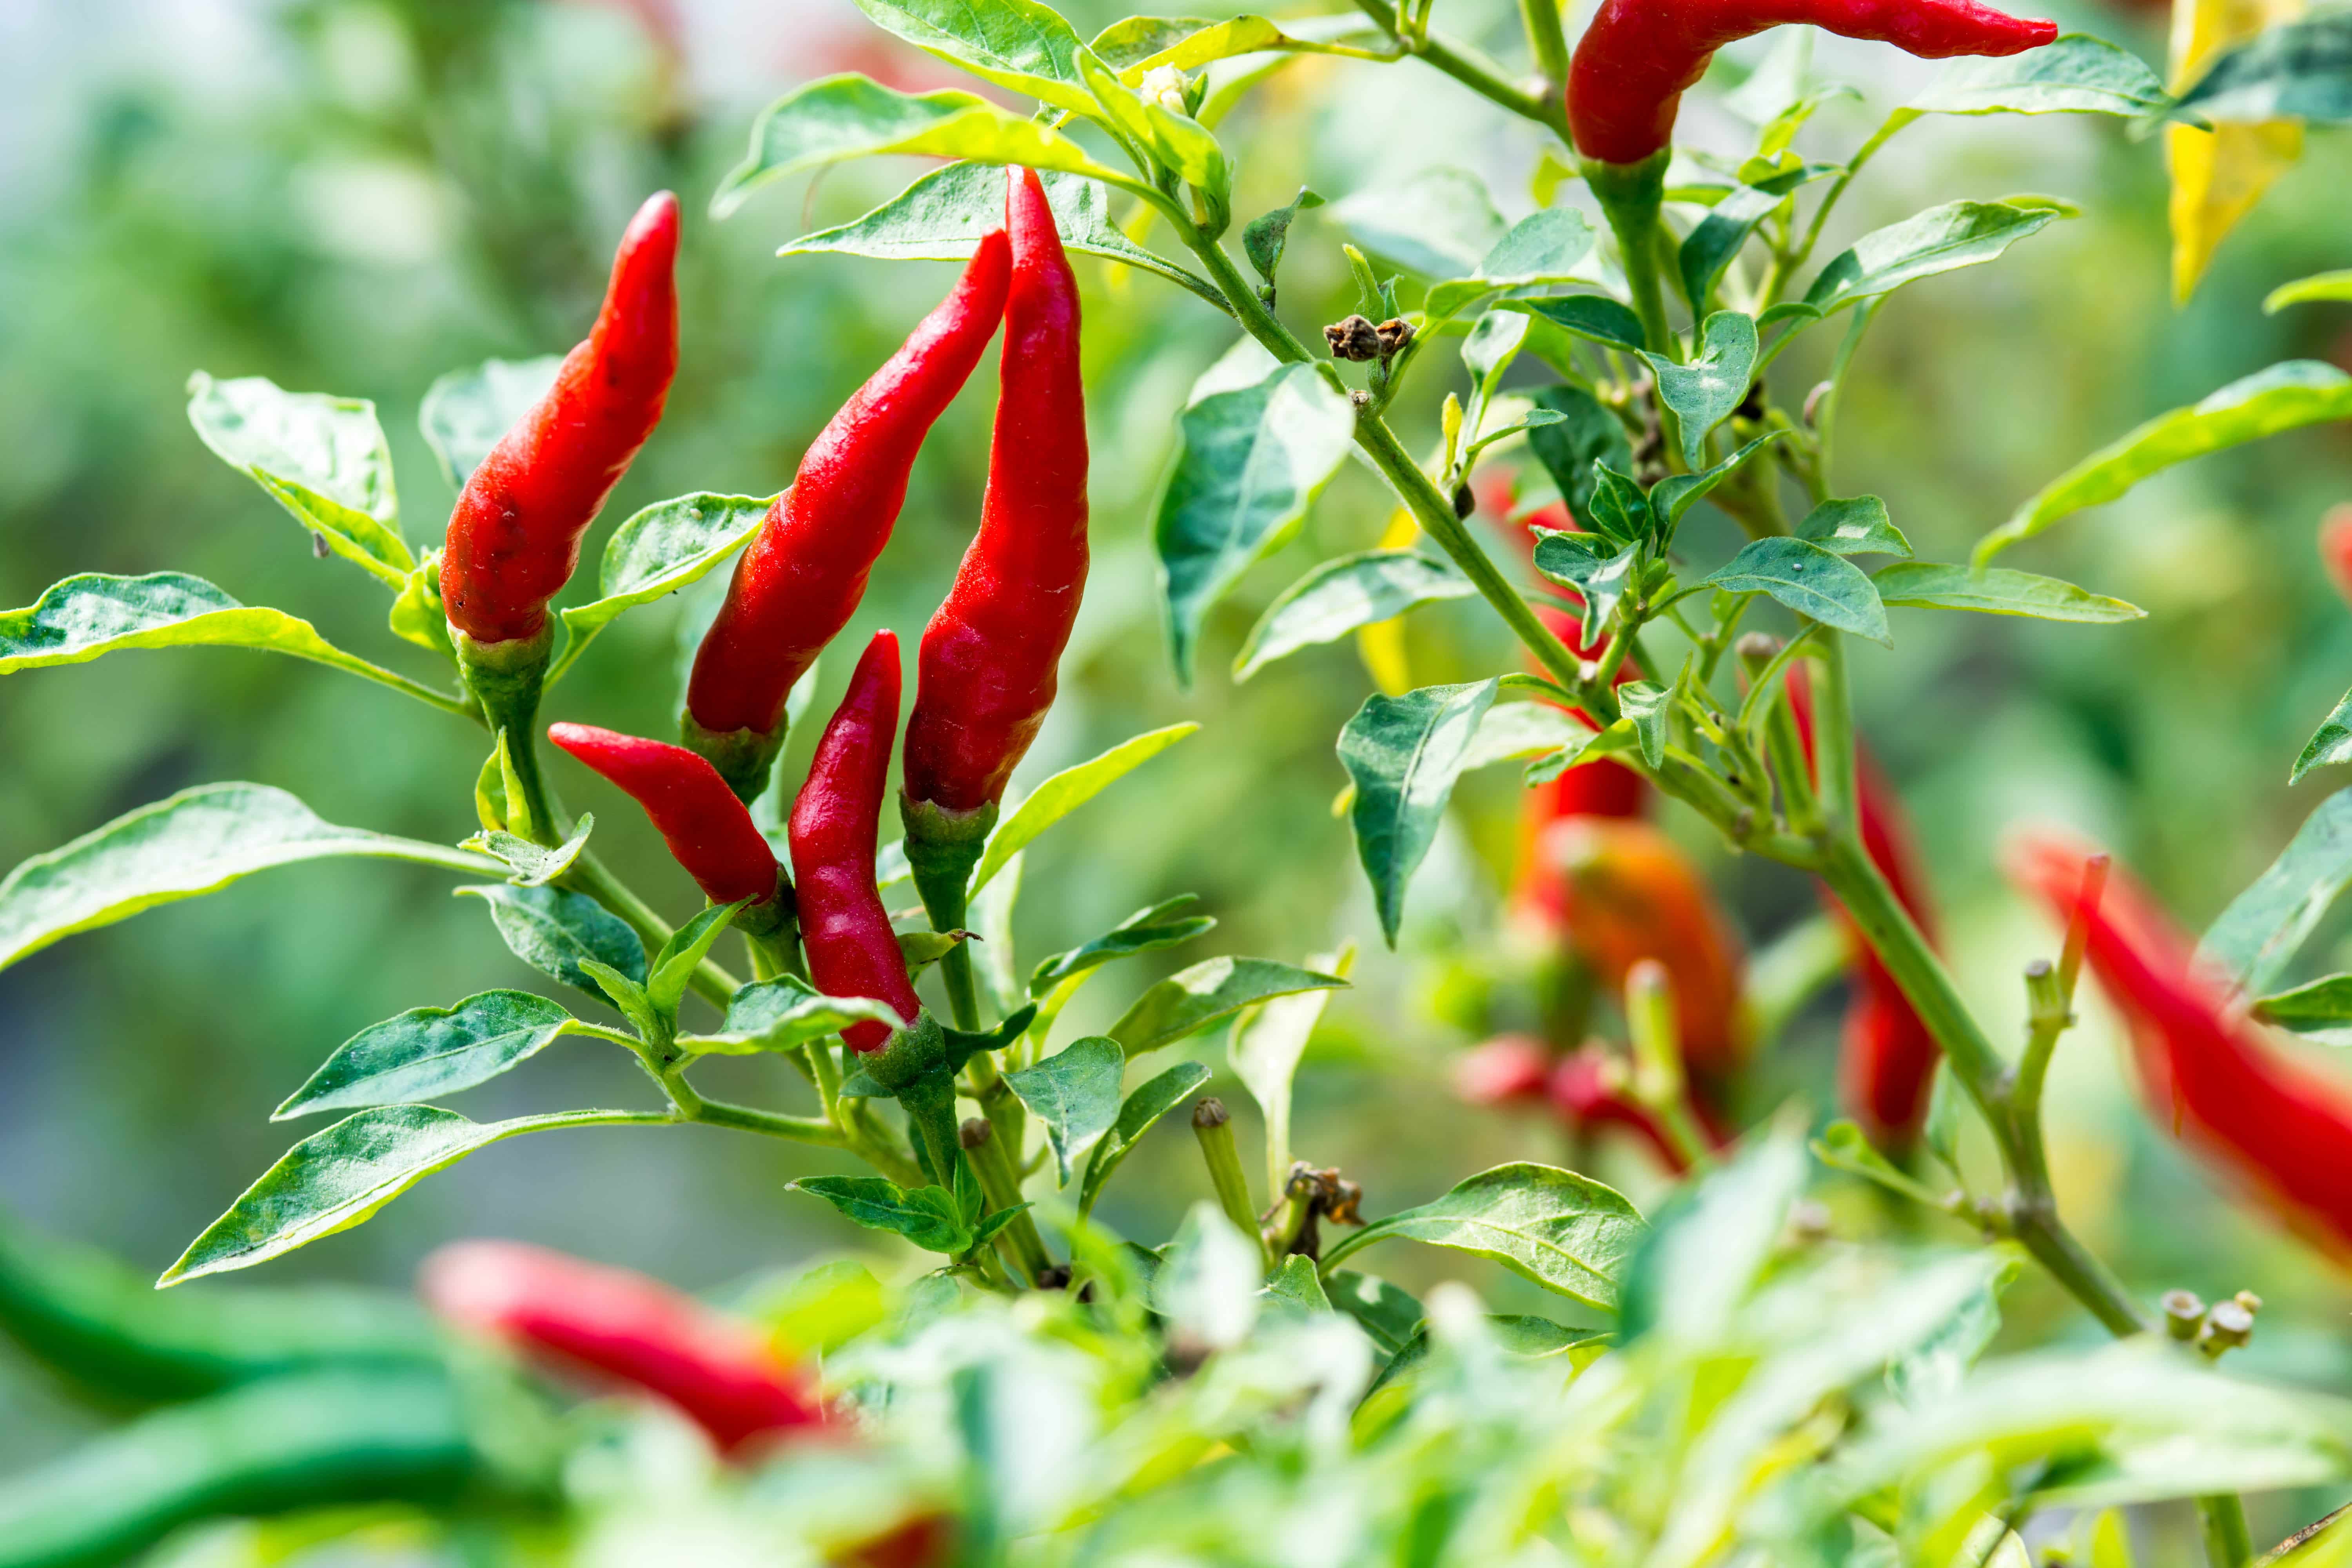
<point>2217,175</point>
<point>1381,644</point>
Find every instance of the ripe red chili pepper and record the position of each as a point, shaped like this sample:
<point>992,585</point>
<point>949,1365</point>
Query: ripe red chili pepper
<point>1637,58</point>
<point>626,1327</point>
<point>801,578</point>
<point>2335,547</point>
<point>1887,1057</point>
<point>1618,893</point>
<point>1590,1087</point>
<point>2272,1124</point>
<point>1509,1070</point>
<point>986,674</point>
<point>706,828</point>
<point>514,538</point>
<point>851,949</point>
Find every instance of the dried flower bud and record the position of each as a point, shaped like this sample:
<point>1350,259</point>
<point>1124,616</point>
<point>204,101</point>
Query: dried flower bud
<point>1465,503</point>
<point>1353,339</point>
<point>974,1132</point>
<point>1209,1112</point>
<point>1393,333</point>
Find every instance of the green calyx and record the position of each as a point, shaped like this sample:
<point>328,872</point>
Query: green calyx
<point>746,759</point>
<point>504,678</point>
<point>1630,197</point>
<point>942,847</point>
<point>774,920</point>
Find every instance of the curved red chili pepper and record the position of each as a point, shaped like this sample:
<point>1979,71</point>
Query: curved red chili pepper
<point>1637,58</point>
<point>628,1328</point>
<point>706,828</point>
<point>852,951</point>
<point>801,578</point>
<point>986,674</point>
<point>1509,1070</point>
<point>514,538</point>
<point>1588,1087</point>
<point>2274,1125</point>
<point>1886,1063</point>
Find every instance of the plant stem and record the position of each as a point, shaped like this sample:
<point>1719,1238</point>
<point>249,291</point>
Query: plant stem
<point>1212,1125</point>
<point>2221,1520</point>
<point>1474,71</point>
<point>1002,1184</point>
<point>1547,42</point>
<point>814,1129</point>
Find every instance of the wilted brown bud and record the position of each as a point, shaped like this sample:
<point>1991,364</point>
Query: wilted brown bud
<point>1393,333</point>
<point>1353,339</point>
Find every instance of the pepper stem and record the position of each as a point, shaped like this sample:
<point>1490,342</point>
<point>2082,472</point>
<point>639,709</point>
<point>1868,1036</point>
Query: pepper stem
<point>1212,1125</point>
<point>942,847</point>
<point>1631,195</point>
<point>1002,1184</point>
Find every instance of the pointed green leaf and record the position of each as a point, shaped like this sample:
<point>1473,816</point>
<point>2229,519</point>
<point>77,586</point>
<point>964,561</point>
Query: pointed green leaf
<point>1403,754</point>
<point>552,929</point>
<point>1544,247</point>
<point>1065,793</point>
<point>1343,594</point>
<point>927,1217</point>
<point>1595,315</point>
<point>339,1177</point>
<point>2265,926</point>
<point>1248,463</point>
<point>1388,1315</point>
<point>2320,1010</point>
<point>1810,581</point>
<point>1958,234</point>
<point>1719,236</point>
<point>2298,70</point>
<point>1075,1092</point>
<point>1997,591</point>
<point>2332,286</point>
<point>1018,44</point>
<point>467,412</point>
<point>1295,1285</point>
<point>1267,1047</point>
<point>1566,1233</point>
<point>2078,74</point>
<point>427,1052</point>
<point>1598,572</point>
<point>1439,223</point>
<point>323,458</point>
<point>1160,925</point>
<point>784,1013</point>
<point>1644,704</point>
<point>1703,391</point>
<point>1143,1109</point>
<point>532,865</point>
<point>1512,730</point>
<point>1677,493</point>
<point>2330,744</point>
<point>655,553</point>
<point>1263,239</point>
<point>673,966</point>
<point>1587,434</point>
<point>1712,1239</point>
<point>1208,992</point>
<point>1856,526</point>
<point>196,842</point>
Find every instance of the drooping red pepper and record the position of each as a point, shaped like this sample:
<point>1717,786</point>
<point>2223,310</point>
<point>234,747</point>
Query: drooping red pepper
<point>1591,1087</point>
<point>987,671</point>
<point>1638,56</point>
<point>625,1327</point>
<point>514,538</point>
<point>709,831</point>
<point>2271,1124</point>
<point>852,951</point>
<point>802,576</point>
<point>1887,1062</point>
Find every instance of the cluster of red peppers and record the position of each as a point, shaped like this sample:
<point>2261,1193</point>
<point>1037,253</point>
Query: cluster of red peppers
<point>988,663</point>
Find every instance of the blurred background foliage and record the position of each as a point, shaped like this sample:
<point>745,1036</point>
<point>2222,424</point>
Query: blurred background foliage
<point>355,196</point>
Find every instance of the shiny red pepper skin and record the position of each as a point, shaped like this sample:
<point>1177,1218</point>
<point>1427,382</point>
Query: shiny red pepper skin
<point>709,831</point>
<point>2275,1126</point>
<point>625,1327</point>
<point>986,674</point>
<point>1886,1060</point>
<point>851,949</point>
<point>801,578</point>
<point>514,538</point>
<point>1638,56</point>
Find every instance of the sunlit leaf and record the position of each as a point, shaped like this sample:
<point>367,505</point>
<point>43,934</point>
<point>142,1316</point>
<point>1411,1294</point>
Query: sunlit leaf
<point>1075,1092</point>
<point>1566,1232</point>
<point>1403,754</point>
<point>1997,591</point>
<point>323,458</point>
<point>1958,234</point>
<point>655,553</point>
<point>1066,791</point>
<point>427,1052</point>
<point>1811,580</point>
<point>1343,594</point>
<point>2265,926</point>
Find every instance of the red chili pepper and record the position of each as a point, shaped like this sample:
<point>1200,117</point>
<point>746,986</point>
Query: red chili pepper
<point>2335,547</point>
<point>852,951</point>
<point>986,673</point>
<point>628,1328</point>
<point>1509,1070</point>
<point>1888,1058</point>
<point>2272,1124</point>
<point>706,828</point>
<point>514,538</point>
<point>1637,58</point>
<point>1588,1087</point>
<point>802,576</point>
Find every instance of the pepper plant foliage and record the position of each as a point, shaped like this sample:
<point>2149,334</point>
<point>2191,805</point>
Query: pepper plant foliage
<point>1054,1392</point>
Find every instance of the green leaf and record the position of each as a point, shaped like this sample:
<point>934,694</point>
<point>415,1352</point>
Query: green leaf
<point>1704,392</point>
<point>655,553</point>
<point>2330,744</point>
<point>467,412</point>
<point>841,117</point>
<point>1295,1285</point>
<point>323,458</point>
<point>1855,526</point>
<point>2285,396</point>
<point>1598,572</point>
<point>2261,931</point>
<point>1440,222</point>
<point>674,965</point>
<point>1587,434</point>
<point>1595,316</point>
<point>1248,463</point>
<point>1544,247</point>
<point>1677,493</point>
<point>1958,234</point>
<point>1136,44</point>
<point>1810,581</point>
<point>784,1013</point>
<point>2304,290</point>
<point>1521,1336</point>
<point>1645,704</point>
<point>1937,1368</point>
<point>1343,594</point>
<point>1145,1107</point>
<point>1388,1315</point>
<point>92,613</point>
<point>1403,754</point>
<point>1997,591</point>
<point>2321,1010</point>
<point>628,997</point>
<point>1512,730</point>
<point>941,217</point>
<point>1719,236</point>
<point>196,842</point>
<point>532,865</point>
<point>1566,1233</point>
<point>2298,71</point>
<point>552,929</point>
<point>1017,44</point>
<point>1266,1049</point>
<point>1266,237</point>
<point>927,1217</point>
<point>1208,992</point>
<point>339,1177</point>
<point>1065,793</point>
<point>1709,1244</point>
<point>427,1052</point>
<point>1173,141</point>
<point>1075,1092</point>
<point>2076,74</point>
<point>1160,925</point>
